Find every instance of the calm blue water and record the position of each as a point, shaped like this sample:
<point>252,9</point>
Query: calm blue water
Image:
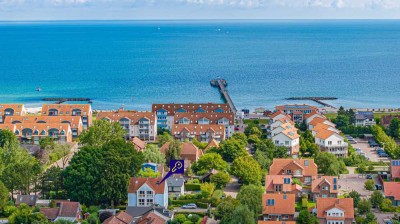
<point>139,63</point>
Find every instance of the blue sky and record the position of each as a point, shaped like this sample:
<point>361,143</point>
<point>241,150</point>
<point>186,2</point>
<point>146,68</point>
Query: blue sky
<point>198,9</point>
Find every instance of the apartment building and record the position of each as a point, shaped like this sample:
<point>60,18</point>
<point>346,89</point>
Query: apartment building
<point>332,142</point>
<point>146,192</point>
<point>296,111</point>
<point>364,118</point>
<point>201,132</point>
<point>140,124</point>
<point>11,110</point>
<point>304,169</point>
<point>82,110</point>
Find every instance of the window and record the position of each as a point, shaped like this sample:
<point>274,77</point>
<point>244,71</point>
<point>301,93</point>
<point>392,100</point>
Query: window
<point>329,142</point>
<point>141,202</point>
<point>149,192</point>
<point>286,180</point>
<point>141,193</point>
<point>306,162</point>
<point>276,142</point>
<point>288,171</point>
<point>149,202</point>
<point>286,142</point>
<point>270,202</point>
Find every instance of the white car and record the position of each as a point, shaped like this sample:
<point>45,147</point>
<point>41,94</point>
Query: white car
<point>190,206</point>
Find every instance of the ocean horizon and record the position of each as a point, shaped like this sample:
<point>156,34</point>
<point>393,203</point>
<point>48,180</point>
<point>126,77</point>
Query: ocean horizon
<point>137,63</point>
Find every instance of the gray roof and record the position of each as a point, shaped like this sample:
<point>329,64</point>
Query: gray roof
<point>26,199</point>
<point>137,212</point>
<point>175,182</point>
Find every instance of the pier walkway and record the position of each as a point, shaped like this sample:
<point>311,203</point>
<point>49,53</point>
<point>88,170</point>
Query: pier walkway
<point>221,85</point>
<point>316,99</point>
<point>62,100</point>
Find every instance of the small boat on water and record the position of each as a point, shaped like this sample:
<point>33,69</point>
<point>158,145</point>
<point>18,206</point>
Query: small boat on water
<point>38,89</point>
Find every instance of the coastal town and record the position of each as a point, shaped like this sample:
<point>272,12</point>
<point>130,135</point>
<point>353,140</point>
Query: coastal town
<point>67,163</point>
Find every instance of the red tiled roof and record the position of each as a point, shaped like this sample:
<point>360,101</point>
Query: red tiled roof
<point>277,113</point>
<point>120,218</point>
<point>392,189</point>
<point>317,181</point>
<point>50,213</point>
<point>69,209</point>
<point>75,121</point>
<point>151,218</point>
<point>64,108</point>
<point>188,150</point>
<point>132,116</point>
<point>137,182</point>
<point>271,180</point>
<point>211,144</point>
<point>18,109</point>
<point>276,222</point>
<point>283,204</point>
<point>344,204</point>
<point>278,166</point>
<point>139,144</point>
<point>213,117</point>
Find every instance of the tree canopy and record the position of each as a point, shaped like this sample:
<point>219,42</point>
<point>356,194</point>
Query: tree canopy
<point>153,154</point>
<point>247,169</point>
<point>209,161</point>
<point>328,164</point>
<point>231,149</point>
<point>101,132</point>
<point>251,196</point>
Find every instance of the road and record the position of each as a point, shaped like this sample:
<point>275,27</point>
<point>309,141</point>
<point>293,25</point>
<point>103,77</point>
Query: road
<point>59,163</point>
<point>232,188</point>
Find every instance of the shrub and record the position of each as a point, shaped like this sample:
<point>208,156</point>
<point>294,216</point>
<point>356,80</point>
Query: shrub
<point>304,202</point>
<point>202,205</point>
<point>192,187</point>
<point>218,194</point>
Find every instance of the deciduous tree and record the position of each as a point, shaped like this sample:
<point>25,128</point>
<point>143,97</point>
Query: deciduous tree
<point>231,149</point>
<point>209,161</point>
<point>101,132</point>
<point>220,179</point>
<point>247,169</point>
<point>153,154</point>
<point>251,196</point>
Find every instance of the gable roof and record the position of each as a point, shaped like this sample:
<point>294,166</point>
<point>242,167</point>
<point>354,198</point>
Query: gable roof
<point>139,144</point>
<point>283,204</point>
<point>325,204</point>
<point>187,149</point>
<point>26,199</point>
<point>317,181</point>
<point>133,116</point>
<point>120,218</point>
<point>325,134</point>
<point>66,109</point>
<point>50,213</point>
<point>392,189</point>
<point>291,133</point>
<point>171,108</point>
<point>323,126</point>
<point>276,222</point>
<point>278,165</point>
<point>212,143</point>
<point>271,180</point>
<point>277,113</point>
<point>151,218</point>
<point>69,209</point>
<point>19,109</point>
<point>137,182</point>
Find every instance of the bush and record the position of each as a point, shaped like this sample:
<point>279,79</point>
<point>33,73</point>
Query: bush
<point>202,205</point>
<point>192,187</point>
<point>304,202</point>
<point>217,194</point>
<point>194,181</point>
<point>189,201</point>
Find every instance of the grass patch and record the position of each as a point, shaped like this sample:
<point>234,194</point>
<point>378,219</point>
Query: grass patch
<point>331,116</point>
<point>256,121</point>
<point>309,203</point>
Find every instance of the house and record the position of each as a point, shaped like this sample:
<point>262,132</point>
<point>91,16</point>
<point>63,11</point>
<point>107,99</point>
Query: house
<point>139,144</point>
<point>288,138</point>
<point>276,222</point>
<point>335,210</point>
<point>140,124</point>
<point>319,120</point>
<point>145,192</point>
<point>141,213</point>
<point>155,167</point>
<point>120,218</point>
<point>189,152</point>
<point>279,122</point>
<point>82,110</point>
<point>309,117</point>
<point>176,186</point>
<point>31,133</point>
<point>212,144</point>
<point>364,118</point>
<point>26,199</point>
<point>201,132</point>
<point>304,169</point>
<point>296,111</point>
<point>65,210</point>
<point>152,218</point>
<point>282,184</point>
<point>75,122</point>
<point>322,126</point>
<point>387,119</point>
<point>278,115</point>
<point>11,110</point>
<point>278,207</point>
<point>392,191</point>
<point>282,127</point>
<point>226,119</point>
<point>324,187</point>
<point>395,170</point>
<point>165,112</point>
<point>332,142</point>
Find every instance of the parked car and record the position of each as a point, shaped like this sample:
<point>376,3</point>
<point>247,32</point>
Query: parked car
<point>368,176</point>
<point>190,206</point>
<point>387,221</point>
<point>378,187</point>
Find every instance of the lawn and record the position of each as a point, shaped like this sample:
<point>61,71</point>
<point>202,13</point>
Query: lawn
<point>331,116</point>
<point>310,204</point>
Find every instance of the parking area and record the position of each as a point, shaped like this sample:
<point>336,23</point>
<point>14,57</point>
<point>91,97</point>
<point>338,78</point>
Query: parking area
<point>368,151</point>
<point>349,182</point>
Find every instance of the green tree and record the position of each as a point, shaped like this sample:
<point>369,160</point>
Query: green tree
<point>247,169</point>
<point>101,132</point>
<point>255,131</point>
<point>280,152</point>
<point>240,215</point>
<point>47,142</point>
<point>356,197</point>
<point>148,172</point>
<point>361,168</point>
<point>209,161</point>
<point>253,139</point>
<point>8,139</point>
<point>52,181</point>
<point>387,206</point>
<point>200,145</point>
<point>24,215</point>
<point>207,189</point>
<point>100,175</point>
<point>328,164</point>
<point>4,196</point>
<point>262,159</point>
<point>266,146</point>
<point>225,209</point>
<point>220,179</point>
<point>240,137</point>
<point>394,128</point>
<point>231,149</point>
<point>376,199</point>
<point>164,138</point>
<point>173,151</point>
<point>251,196</point>
<point>342,121</point>
<point>364,206</point>
<point>153,154</point>
<point>369,185</point>
<point>306,218</point>
<point>370,219</point>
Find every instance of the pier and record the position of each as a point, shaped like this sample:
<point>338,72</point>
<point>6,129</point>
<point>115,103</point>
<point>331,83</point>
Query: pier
<point>63,100</point>
<point>221,84</point>
<point>316,99</point>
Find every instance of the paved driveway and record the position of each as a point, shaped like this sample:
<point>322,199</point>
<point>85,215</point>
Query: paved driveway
<point>381,216</point>
<point>232,188</point>
<point>349,182</point>
<point>369,151</point>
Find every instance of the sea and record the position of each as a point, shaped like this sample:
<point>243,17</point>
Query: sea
<point>137,63</point>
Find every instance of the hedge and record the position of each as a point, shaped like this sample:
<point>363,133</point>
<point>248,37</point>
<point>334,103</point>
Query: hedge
<point>189,201</point>
<point>192,187</point>
<point>202,205</point>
